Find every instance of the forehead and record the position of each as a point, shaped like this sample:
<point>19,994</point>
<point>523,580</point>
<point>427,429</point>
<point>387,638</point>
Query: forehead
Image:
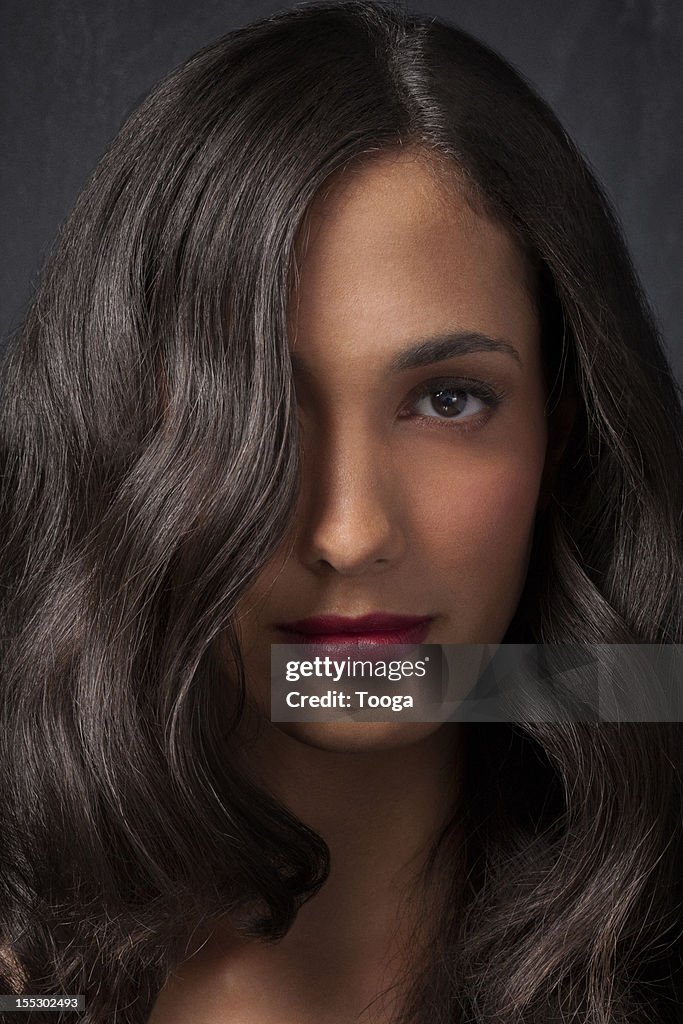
<point>391,249</point>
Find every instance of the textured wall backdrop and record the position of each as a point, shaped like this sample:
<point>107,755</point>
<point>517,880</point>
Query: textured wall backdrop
<point>71,70</point>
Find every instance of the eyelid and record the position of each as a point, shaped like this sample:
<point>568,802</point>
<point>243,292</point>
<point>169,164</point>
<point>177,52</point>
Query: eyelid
<point>489,392</point>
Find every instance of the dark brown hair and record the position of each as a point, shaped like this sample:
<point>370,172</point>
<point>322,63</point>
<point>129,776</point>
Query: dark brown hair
<point>149,452</point>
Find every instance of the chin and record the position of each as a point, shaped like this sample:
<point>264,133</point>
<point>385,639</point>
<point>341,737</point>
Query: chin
<point>358,737</point>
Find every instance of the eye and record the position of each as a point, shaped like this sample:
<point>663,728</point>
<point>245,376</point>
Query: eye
<point>452,400</point>
<point>448,403</point>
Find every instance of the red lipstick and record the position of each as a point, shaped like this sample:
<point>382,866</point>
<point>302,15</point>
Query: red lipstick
<point>375,628</point>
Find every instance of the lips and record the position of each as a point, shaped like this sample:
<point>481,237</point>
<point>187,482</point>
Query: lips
<point>373,629</point>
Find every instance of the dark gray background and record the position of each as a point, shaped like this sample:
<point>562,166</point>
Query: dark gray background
<point>73,69</point>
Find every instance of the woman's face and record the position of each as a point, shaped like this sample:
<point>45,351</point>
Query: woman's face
<point>416,352</point>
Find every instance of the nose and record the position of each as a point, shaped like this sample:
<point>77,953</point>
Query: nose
<point>350,517</point>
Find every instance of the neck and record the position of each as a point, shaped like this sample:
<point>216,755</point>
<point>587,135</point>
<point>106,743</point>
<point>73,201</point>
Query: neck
<point>379,811</point>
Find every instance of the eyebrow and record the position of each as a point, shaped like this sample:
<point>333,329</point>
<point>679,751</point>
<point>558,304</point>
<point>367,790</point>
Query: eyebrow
<point>433,350</point>
<point>445,346</point>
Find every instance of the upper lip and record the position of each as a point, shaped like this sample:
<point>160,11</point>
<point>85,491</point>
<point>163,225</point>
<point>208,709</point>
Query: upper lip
<point>375,622</point>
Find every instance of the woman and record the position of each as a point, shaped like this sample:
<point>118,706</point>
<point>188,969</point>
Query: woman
<point>342,325</point>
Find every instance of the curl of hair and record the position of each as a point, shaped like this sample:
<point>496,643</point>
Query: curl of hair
<point>150,461</point>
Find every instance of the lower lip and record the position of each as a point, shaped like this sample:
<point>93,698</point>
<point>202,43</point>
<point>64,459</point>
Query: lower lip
<point>406,635</point>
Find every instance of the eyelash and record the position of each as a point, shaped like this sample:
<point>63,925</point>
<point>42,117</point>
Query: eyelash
<point>489,395</point>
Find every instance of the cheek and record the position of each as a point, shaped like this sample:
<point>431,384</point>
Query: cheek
<point>473,522</point>
<point>500,505</point>
<point>485,509</point>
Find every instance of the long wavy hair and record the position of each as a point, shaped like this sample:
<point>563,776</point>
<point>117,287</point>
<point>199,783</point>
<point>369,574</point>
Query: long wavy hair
<point>151,467</point>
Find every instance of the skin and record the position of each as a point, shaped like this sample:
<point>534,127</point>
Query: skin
<point>401,511</point>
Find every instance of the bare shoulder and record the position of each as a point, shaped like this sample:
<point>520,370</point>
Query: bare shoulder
<point>198,991</point>
<point>183,1000</point>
